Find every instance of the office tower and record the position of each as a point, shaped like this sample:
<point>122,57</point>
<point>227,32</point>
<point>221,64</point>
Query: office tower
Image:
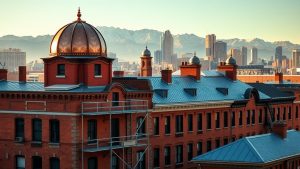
<point>236,53</point>
<point>12,59</point>
<point>210,41</point>
<point>296,58</point>
<point>278,55</point>
<point>157,57</point>
<point>254,55</point>
<point>220,51</point>
<point>167,45</point>
<point>244,55</point>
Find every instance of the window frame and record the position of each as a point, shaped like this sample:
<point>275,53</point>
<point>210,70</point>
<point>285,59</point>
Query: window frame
<point>61,70</point>
<point>37,131</point>
<point>97,70</point>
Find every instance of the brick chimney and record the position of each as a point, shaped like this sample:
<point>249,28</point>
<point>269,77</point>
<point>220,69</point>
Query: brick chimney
<point>166,76</point>
<point>280,128</point>
<point>22,74</point>
<point>278,77</point>
<point>118,73</point>
<point>230,70</point>
<point>3,74</point>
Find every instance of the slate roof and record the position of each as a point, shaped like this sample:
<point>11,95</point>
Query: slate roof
<point>206,89</point>
<point>263,148</point>
<point>271,90</point>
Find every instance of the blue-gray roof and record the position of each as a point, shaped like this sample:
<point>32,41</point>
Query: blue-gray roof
<point>14,86</point>
<point>206,89</point>
<point>255,149</point>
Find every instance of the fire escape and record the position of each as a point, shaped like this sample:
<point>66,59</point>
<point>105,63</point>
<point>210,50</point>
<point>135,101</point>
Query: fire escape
<point>133,138</point>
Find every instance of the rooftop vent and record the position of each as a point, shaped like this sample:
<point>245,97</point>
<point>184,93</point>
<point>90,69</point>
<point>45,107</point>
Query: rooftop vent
<point>222,90</point>
<point>191,91</point>
<point>162,92</point>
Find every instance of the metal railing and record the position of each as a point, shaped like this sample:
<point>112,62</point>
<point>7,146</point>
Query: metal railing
<point>95,108</point>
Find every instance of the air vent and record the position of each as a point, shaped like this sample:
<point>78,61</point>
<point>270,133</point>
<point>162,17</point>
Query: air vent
<point>191,91</point>
<point>162,92</point>
<point>222,90</point>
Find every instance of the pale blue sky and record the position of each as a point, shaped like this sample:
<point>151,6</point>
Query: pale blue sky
<point>271,20</point>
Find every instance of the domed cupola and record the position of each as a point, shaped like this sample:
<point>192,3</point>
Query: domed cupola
<point>230,61</point>
<point>194,60</point>
<point>78,39</point>
<point>146,52</point>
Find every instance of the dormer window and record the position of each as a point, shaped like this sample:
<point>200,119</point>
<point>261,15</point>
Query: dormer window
<point>97,70</point>
<point>191,91</point>
<point>222,90</point>
<point>60,70</point>
<point>162,92</point>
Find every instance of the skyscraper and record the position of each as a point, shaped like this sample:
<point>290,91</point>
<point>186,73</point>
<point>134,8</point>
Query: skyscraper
<point>278,55</point>
<point>210,41</point>
<point>296,58</point>
<point>220,51</point>
<point>157,57</point>
<point>244,55</point>
<point>12,59</point>
<point>167,45</point>
<point>236,53</point>
<point>254,55</point>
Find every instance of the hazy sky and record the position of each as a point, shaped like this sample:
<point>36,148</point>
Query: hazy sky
<point>271,20</point>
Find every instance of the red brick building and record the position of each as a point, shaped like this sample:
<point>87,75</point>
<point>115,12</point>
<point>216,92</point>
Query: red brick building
<point>83,117</point>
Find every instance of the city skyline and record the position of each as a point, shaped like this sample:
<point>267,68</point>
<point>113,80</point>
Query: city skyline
<point>258,24</point>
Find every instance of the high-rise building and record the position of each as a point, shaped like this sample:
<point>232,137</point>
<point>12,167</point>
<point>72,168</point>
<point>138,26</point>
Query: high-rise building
<point>296,58</point>
<point>236,53</point>
<point>254,55</point>
<point>210,41</point>
<point>167,46</point>
<point>157,57</point>
<point>220,51</point>
<point>278,55</point>
<point>244,55</point>
<point>12,59</point>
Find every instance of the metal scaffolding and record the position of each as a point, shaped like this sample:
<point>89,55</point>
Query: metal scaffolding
<point>122,142</point>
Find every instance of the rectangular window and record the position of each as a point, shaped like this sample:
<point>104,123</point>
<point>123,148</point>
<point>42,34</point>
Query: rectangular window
<point>190,122</point>
<point>208,145</point>
<point>142,162</point>
<point>225,119</point>
<point>241,118</point>
<point>199,148</point>
<point>273,115</point>
<point>179,123</point>
<point>167,125</point>
<point>92,131</point>
<point>253,116</point>
<point>199,122</point>
<point>266,116</point>
<point>93,163</point>
<point>290,113</point>
<point>97,70</point>
<point>115,131</point>
<point>115,99</point>
<point>36,162</point>
<point>297,115</point>
<point>20,162</point>
<point>217,120</point>
<point>232,119</point>
<point>208,120</point>
<point>37,130</point>
<point>156,125</point>
<point>218,143</point>
<point>54,131</point>
<point>278,113</point>
<point>60,70</point>
<point>141,127</point>
<point>179,154</point>
<point>225,141</point>
<point>115,162</point>
<point>248,116</point>
<point>260,116</point>
<point>167,156</point>
<point>284,113</point>
<point>190,151</point>
<point>19,129</point>
<point>54,163</point>
<point>156,157</point>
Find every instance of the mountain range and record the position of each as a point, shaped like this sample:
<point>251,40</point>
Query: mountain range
<point>128,44</point>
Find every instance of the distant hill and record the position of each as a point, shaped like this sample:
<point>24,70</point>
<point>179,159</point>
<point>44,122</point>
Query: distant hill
<point>129,44</point>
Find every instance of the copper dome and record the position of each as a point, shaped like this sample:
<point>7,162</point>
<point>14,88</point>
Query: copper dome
<point>77,39</point>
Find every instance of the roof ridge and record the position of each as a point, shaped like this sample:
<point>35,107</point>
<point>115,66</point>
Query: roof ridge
<point>254,149</point>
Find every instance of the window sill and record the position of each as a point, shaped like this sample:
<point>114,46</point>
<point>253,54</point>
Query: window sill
<point>97,76</point>
<point>156,135</point>
<point>225,128</point>
<point>190,132</point>
<point>168,134</point>
<point>178,165</point>
<point>179,134</point>
<point>36,143</point>
<point>53,145</point>
<point>218,128</point>
<point>199,132</point>
<point>167,165</point>
<point>208,129</point>
<point>60,76</point>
